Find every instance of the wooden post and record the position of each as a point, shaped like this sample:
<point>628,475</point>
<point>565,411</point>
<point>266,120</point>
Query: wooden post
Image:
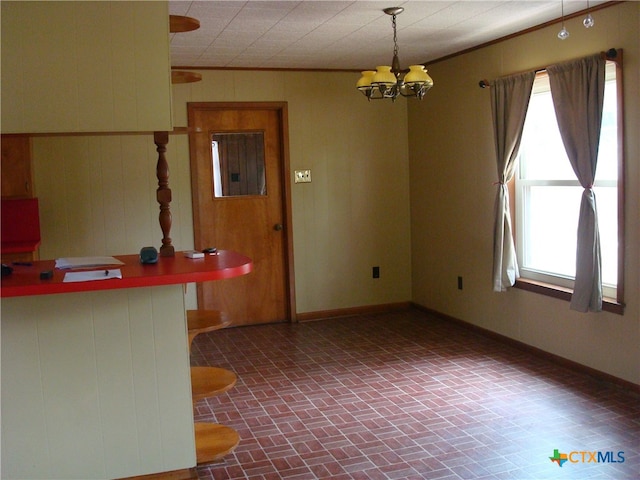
<point>163,194</point>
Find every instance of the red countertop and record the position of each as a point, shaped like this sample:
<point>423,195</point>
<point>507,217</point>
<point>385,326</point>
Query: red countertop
<point>25,279</point>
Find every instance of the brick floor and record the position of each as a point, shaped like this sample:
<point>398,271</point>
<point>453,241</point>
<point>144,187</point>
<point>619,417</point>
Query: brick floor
<point>408,396</point>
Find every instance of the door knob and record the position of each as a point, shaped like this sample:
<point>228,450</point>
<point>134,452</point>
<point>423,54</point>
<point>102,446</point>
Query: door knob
<point>278,227</point>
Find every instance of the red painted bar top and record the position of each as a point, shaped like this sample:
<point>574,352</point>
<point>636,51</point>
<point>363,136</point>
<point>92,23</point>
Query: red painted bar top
<point>25,279</point>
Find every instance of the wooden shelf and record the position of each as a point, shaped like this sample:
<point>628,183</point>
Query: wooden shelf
<point>201,321</point>
<point>210,381</point>
<point>181,76</point>
<point>180,23</point>
<point>214,441</point>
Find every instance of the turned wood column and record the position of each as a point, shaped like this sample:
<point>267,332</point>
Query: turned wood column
<point>163,194</point>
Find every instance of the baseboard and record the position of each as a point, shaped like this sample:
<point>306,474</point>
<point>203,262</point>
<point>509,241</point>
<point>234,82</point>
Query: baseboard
<point>353,311</point>
<point>569,364</point>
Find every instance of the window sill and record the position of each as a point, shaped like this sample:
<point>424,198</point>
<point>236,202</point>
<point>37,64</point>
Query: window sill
<point>608,304</point>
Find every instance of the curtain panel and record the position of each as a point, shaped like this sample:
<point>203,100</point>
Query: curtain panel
<point>509,103</point>
<point>577,89</point>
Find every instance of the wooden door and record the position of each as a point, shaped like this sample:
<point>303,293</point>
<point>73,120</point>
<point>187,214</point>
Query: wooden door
<point>246,208</point>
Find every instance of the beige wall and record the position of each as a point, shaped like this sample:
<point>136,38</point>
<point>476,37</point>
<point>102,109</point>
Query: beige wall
<point>85,66</point>
<point>452,170</point>
<point>100,392</point>
<point>97,194</point>
<point>355,213</point>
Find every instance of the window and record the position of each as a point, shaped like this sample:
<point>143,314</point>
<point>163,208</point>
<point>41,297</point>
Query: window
<point>548,194</point>
<point>238,164</point>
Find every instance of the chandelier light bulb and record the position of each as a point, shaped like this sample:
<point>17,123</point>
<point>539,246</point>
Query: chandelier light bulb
<point>588,21</point>
<point>563,34</point>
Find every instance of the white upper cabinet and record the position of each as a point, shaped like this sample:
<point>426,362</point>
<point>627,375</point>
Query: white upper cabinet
<point>85,67</point>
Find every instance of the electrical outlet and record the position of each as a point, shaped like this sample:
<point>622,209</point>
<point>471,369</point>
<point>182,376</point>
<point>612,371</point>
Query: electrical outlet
<point>375,272</point>
<point>302,176</point>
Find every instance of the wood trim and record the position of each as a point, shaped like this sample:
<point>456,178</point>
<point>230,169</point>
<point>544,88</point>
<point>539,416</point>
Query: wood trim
<point>267,69</point>
<point>562,293</point>
<point>288,215</point>
<point>524,32</point>
<point>175,131</point>
<point>238,105</point>
<point>353,311</point>
<point>621,178</point>
<point>564,362</point>
<point>611,55</point>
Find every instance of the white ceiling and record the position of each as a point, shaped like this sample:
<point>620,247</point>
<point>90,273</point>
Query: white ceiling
<point>353,35</point>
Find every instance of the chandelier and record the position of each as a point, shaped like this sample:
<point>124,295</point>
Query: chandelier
<point>388,82</point>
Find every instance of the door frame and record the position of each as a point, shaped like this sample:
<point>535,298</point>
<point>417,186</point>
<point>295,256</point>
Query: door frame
<point>282,110</point>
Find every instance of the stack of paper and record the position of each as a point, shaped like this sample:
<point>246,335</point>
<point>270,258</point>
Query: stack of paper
<point>86,262</point>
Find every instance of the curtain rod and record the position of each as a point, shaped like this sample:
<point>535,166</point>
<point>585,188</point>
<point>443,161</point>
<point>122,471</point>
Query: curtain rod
<point>611,54</point>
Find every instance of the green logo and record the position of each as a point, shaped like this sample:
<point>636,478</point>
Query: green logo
<point>558,457</point>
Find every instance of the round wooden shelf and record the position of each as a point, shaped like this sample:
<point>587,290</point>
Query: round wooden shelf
<point>214,441</point>
<point>210,381</point>
<point>181,76</point>
<point>180,23</point>
<point>201,321</point>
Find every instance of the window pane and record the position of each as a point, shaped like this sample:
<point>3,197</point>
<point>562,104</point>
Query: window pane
<point>238,164</point>
<point>607,201</point>
<point>550,225</point>
<point>543,156</point>
<point>607,168</point>
<point>542,152</point>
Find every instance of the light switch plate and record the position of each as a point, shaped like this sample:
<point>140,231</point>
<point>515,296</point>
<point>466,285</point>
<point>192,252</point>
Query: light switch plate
<point>302,176</point>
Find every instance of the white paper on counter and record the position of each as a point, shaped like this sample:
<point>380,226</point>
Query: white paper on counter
<point>86,262</point>
<point>91,275</point>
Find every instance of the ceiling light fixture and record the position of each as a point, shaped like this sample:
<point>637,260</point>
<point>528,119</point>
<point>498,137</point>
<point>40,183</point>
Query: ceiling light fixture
<point>564,33</point>
<point>387,81</point>
<point>588,21</point>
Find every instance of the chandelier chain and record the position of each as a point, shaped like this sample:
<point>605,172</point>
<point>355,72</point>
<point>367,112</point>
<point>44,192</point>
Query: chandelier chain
<point>395,36</point>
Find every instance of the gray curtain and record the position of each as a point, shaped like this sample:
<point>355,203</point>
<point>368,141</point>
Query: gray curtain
<point>509,104</point>
<point>577,88</point>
